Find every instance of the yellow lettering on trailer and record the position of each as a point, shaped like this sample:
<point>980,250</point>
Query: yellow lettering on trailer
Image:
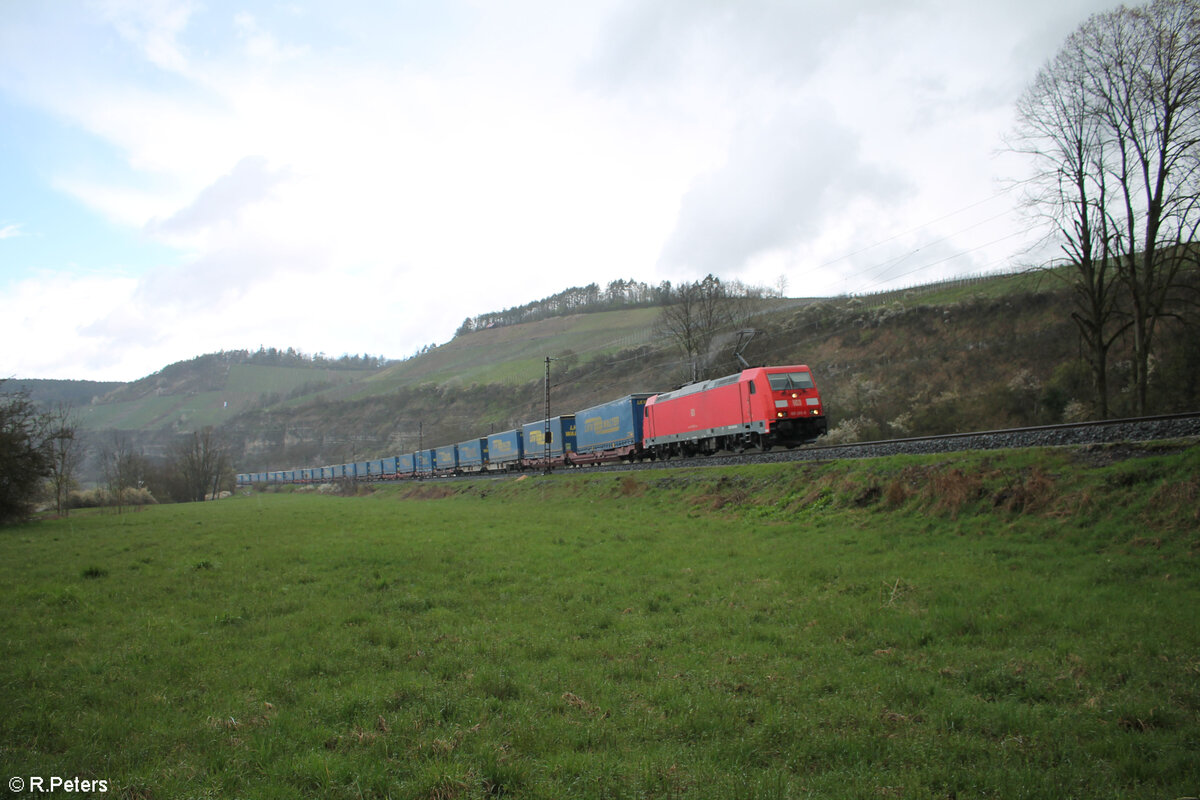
<point>599,425</point>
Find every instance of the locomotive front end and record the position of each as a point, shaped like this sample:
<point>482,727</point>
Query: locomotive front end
<point>798,413</point>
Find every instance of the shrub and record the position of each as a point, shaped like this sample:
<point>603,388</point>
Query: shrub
<point>92,498</point>
<point>1075,411</point>
<point>847,431</point>
<point>101,498</point>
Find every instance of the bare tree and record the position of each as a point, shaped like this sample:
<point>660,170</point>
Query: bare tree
<point>1147,72</point>
<point>1133,74</point>
<point>697,311</point>
<point>1057,125</point>
<point>202,461</point>
<point>66,453</point>
<point>124,470</point>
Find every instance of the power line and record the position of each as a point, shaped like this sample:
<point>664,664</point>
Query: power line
<point>959,254</point>
<point>945,238</point>
<point>920,227</point>
<point>893,261</point>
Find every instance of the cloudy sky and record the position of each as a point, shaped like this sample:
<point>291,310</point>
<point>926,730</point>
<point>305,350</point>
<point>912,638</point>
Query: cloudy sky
<point>185,176</point>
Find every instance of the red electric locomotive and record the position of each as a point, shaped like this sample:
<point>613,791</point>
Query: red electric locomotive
<point>756,408</point>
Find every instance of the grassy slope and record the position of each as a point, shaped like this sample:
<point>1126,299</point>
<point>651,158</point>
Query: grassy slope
<point>987,287</point>
<point>50,392</point>
<point>516,354</point>
<point>1003,624</point>
<point>245,387</point>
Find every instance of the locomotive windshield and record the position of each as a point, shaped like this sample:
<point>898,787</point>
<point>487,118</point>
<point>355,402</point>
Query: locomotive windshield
<point>784,381</point>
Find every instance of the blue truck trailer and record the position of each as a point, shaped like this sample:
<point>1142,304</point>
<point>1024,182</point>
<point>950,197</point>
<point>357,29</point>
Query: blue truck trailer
<point>610,431</point>
<point>561,444</point>
<point>406,465</point>
<point>473,455</point>
<point>446,459</point>
<point>506,449</point>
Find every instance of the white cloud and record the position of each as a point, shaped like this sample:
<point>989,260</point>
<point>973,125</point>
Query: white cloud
<point>250,181</point>
<point>154,26</point>
<point>11,230</point>
<point>784,180</point>
<point>51,313</point>
<point>412,166</point>
<point>260,46</point>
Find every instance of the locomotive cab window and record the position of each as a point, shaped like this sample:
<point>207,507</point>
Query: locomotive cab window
<point>753,390</point>
<point>785,381</point>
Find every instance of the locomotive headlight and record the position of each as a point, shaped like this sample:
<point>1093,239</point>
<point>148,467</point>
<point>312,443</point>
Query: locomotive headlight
<point>780,414</point>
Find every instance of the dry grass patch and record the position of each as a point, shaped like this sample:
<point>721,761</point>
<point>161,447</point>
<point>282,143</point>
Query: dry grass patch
<point>1175,505</point>
<point>429,492</point>
<point>629,486</point>
<point>953,489</point>
<point>896,494</point>
<point>1026,493</point>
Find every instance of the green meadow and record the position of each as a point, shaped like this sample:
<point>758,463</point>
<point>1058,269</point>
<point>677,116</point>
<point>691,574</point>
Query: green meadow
<point>1009,625</point>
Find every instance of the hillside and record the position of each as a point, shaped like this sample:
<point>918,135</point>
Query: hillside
<point>48,392</point>
<point>213,389</point>
<point>517,353</point>
<point>959,355</point>
<point>962,355</point>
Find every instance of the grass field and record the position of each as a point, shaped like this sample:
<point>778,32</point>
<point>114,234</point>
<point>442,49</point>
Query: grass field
<point>1008,625</point>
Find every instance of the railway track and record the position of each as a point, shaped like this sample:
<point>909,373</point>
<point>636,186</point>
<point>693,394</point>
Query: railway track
<point>1139,429</point>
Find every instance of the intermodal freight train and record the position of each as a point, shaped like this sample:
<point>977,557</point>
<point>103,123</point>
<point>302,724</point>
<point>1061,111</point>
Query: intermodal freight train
<point>755,409</point>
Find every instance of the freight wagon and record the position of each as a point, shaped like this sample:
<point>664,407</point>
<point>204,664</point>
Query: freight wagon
<point>445,460</point>
<point>610,431</point>
<point>549,442</point>
<point>506,450</point>
<point>472,455</point>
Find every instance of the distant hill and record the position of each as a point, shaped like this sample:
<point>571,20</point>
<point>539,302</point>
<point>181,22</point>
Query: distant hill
<point>212,389</point>
<point>52,392</point>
